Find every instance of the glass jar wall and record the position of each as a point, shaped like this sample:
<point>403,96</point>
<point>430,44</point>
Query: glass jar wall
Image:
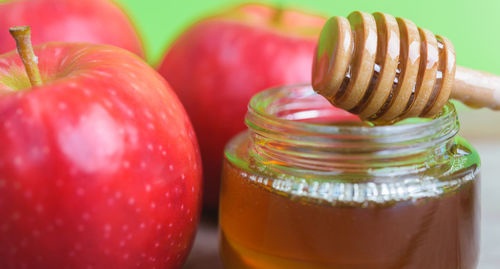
<point>300,190</point>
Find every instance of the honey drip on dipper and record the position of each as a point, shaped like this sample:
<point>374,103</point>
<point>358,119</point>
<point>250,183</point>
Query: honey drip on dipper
<point>386,69</point>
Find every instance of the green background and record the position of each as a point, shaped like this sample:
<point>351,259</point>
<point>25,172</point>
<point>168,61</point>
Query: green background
<point>472,26</point>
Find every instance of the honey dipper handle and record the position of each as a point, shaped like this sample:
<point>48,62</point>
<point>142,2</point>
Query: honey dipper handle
<point>476,88</point>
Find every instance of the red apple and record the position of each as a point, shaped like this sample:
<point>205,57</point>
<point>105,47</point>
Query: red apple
<point>99,166</point>
<point>94,21</point>
<point>220,62</point>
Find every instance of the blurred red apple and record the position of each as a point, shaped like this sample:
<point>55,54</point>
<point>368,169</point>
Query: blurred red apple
<point>94,21</point>
<point>220,62</point>
<point>99,166</point>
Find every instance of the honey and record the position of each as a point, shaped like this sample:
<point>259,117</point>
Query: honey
<point>319,196</point>
<point>263,229</point>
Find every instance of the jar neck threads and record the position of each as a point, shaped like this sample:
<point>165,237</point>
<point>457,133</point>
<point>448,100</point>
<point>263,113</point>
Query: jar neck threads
<point>295,128</point>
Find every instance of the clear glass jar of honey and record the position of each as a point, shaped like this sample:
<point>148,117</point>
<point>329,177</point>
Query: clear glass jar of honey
<point>300,190</point>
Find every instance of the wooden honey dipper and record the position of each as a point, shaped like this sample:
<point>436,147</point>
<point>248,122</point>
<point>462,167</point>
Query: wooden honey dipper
<point>385,69</point>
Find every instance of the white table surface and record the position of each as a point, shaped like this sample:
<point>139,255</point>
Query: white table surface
<point>482,129</point>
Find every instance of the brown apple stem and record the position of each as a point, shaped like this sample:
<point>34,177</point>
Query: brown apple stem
<point>278,14</point>
<point>22,35</point>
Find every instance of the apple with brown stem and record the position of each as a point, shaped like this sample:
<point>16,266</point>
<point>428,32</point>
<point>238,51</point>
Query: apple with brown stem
<point>220,62</point>
<point>99,165</point>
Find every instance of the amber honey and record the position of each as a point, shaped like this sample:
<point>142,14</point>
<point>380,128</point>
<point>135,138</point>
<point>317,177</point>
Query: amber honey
<point>306,195</point>
<point>263,229</point>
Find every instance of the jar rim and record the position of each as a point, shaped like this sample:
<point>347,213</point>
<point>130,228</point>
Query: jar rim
<point>261,115</point>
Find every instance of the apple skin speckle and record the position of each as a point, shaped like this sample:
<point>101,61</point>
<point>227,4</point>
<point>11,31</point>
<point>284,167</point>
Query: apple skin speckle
<point>85,181</point>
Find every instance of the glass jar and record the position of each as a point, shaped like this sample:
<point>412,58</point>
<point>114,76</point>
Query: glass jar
<point>301,191</point>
